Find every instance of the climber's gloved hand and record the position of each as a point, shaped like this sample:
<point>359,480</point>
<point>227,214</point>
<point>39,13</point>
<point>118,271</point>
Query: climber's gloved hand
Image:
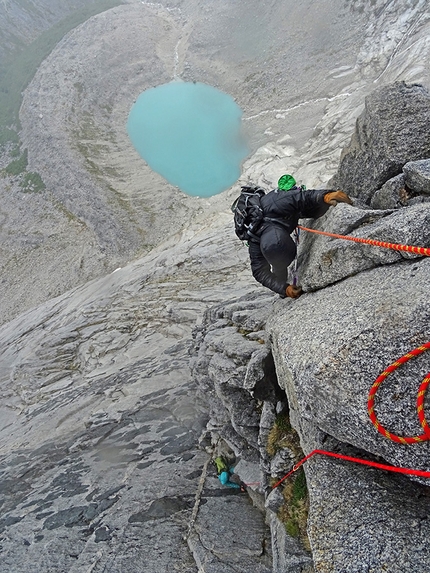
<point>293,291</point>
<point>335,197</point>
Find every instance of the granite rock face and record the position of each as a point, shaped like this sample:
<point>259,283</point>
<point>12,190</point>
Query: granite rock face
<point>392,130</point>
<point>234,370</point>
<point>365,307</point>
<point>417,176</point>
<point>334,362</point>
<point>391,195</point>
<point>325,260</point>
<point>328,348</point>
<point>101,467</point>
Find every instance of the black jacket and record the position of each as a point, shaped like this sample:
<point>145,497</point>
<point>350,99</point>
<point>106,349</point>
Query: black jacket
<point>295,204</point>
<point>284,209</point>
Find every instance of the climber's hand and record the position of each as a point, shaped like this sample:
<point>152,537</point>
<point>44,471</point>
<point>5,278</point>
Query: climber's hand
<point>336,197</point>
<point>293,291</point>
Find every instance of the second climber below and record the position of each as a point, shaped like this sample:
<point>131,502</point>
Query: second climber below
<point>276,250</point>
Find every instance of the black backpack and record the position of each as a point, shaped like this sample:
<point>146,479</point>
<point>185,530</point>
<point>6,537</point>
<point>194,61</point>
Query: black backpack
<point>248,214</point>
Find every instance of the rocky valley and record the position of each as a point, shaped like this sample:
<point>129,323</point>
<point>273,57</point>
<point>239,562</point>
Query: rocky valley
<point>136,345</point>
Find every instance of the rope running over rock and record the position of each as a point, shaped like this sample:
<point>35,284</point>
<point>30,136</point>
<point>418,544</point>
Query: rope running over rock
<point>411,249</point>
<point>395,469</point>
<point>421,392</point>
<point>380,428</point>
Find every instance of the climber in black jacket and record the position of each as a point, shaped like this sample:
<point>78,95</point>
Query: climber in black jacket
<point>282,208</point>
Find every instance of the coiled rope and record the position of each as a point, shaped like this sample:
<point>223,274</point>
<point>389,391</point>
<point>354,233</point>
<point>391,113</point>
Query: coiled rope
<point>422,389</point>
<point>420,400</point>
<point>399,439</point>
<point>411,249</point>
<point>371,397</point>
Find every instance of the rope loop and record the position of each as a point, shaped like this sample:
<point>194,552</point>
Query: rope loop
<point>420,400</point>
<point>399,439</point>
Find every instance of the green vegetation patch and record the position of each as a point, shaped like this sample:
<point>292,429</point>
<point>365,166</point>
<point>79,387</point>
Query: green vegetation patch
<point>17,166</point>
<point>17,71</point>
<point>30,182</point>
<point>294,511</point>
<point>282,435</point>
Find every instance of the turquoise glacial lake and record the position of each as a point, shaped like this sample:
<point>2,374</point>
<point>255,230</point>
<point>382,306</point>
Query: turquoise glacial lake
<point>191,134</point>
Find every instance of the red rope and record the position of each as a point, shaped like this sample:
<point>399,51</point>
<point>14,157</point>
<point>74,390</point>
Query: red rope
<point>417,250</point>
<point>380,428</point>
<point>408,471</point>
<point>420,400</point>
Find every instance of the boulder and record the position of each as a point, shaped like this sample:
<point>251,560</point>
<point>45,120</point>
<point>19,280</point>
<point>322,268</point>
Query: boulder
<point>324,261</point>
<point>392,130</point>
<point>392,195</point>
<point>331,345</point>
<point>417,176</point>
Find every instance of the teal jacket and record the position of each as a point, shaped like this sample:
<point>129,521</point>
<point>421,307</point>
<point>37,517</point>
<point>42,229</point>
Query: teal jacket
<point>224,472</point>
<point>224,478</point>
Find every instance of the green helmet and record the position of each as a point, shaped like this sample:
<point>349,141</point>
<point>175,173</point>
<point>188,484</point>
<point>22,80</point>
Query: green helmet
<point>286,182</point>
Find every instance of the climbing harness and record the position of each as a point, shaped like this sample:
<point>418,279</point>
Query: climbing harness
<point>395,469</point>
<point>411,249</point>
<point>420,400</point>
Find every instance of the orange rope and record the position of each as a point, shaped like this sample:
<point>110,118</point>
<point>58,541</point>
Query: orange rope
<point>371,398</point>
<point>418,250</point>
<point>380,428</point>
<point>420,400</point>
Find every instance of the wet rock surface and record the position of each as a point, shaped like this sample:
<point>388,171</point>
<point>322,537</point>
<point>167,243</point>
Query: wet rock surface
<point>100,426</point>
